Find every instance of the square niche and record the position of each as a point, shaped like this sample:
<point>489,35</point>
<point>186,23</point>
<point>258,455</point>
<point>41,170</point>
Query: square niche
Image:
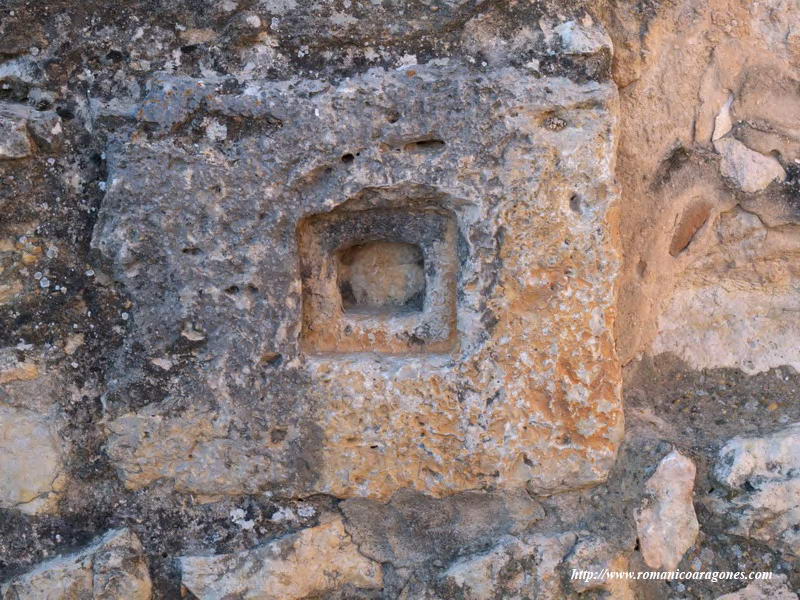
<point>379,280</point>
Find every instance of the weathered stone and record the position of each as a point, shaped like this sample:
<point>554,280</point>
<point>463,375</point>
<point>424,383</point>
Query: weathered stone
<point>314,561</point>
<point>750,170</point>
<point>18,123</point>
<point>31,461</point>
<point>513,568</point>
<point>583,37</point>
<point>779,84</point>
<point>382,275</point>
<point>737,302</point>
<point>666,522</point>
<point>594,554</point>
<point>717,75</point>
<point>775,588</point>
<point>147,447</point>
<point>112,567</point>
<point>13,369</point>
<point>354,251</point>
<point>763,476</point>
<point>507,375</point>
<point>526,566</point>
<point>712,327</point>
<point>722,122</point>
<point>14,140</point>
<point>414,529</point>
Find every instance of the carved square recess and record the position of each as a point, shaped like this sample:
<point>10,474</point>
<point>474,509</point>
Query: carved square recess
<point>379,280</point>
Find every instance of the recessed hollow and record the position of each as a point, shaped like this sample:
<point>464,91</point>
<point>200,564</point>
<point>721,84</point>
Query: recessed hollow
<point>691,221</point>
<point>430,145</point>
<point>381,277</point>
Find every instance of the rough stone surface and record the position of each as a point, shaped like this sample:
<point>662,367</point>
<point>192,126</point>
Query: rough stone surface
<point>525,568</point>
<point>735,304</point>
<point>413,529</point>
<point>12,369</point>
<point>268,265</point>
<point>31,461</point>
<point>666,522</point>
<point>597,555</point>
<point>763,478</point>
<point>513,568</point>
<point>111,568</point>
<point>750,170</point>
<point>720,72</point>
<point>773,589</point>
<point>523,368</point>
<point>33,448</point>
<point>326,554</point>
<point>15,141</point>
<point>21,125</point>
<point>381,276</point>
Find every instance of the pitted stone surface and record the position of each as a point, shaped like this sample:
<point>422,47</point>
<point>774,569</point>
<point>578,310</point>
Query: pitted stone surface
<point>523,386</point>
<point>112,567</point>
<point>325,554</point>
<point>318,295</point>
<point>761,478</point>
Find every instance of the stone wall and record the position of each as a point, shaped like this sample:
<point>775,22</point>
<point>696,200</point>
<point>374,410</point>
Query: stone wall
<point>420,300</point>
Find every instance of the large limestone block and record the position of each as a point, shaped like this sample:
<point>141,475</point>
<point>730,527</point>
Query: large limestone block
<point>666,522</point>
<point>316,560</point>
<point>308,376</point>
<point>763,476</point>
<point>113,567</point>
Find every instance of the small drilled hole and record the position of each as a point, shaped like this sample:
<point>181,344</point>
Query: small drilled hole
<point>348,158</point>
